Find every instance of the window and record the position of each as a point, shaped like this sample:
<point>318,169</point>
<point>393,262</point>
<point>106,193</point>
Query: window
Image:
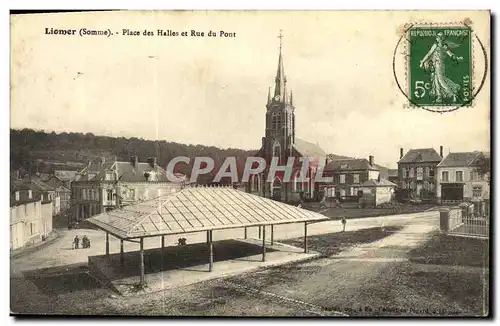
<point>412,172</point>
<point>404,172</point>
<point>431,172</point>
<point>474,175</point>
<point>277,149</point>
<point>477,191</point>
<point>431,186</point>
<point>351,191</point>
<point>30,194</point>
<point>109,194</point>
<point>342,178</point>
<point>427,171</point>
<point>132,193</point>
<point>276,120</point>
<point>109,176</point>
<point>444,176</point>
<point>17,195</point>
<point>420,173</point>
<point>459,176</point>
<point>356,178</point>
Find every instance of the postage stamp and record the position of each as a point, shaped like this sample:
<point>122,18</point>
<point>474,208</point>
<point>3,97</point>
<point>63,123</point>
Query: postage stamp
<point>440,66</point>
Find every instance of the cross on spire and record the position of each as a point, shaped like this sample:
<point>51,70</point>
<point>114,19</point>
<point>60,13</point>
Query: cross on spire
<point>281,38</point>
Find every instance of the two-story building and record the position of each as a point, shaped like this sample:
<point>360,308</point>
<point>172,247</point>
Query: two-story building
<point>417,172</point>
<point>30,215</point>
<point>103,186</point>
<point>348,177</point>
<point>461,179</point>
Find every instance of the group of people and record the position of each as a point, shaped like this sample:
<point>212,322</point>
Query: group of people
<point>85,242</point>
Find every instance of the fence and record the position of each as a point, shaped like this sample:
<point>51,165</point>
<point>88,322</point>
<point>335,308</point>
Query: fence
<point>462,221</point>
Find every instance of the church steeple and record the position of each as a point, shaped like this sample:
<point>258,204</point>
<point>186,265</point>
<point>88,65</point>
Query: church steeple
<point>269,96</point>
<point>280,81</point>
<point>291,98</point>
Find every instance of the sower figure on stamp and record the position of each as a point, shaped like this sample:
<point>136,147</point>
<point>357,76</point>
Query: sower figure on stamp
<point>434,61</point>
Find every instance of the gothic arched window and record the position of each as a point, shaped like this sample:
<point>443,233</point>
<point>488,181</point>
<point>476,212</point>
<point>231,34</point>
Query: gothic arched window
<point>255,182</point>
<point>277,149</point>
<point>276,120</point>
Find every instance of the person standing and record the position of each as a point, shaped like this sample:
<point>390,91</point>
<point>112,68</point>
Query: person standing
<point>344,222</point>
<point>76,242</point>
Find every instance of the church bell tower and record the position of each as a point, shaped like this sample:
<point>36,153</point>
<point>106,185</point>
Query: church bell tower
<point>280,116</point>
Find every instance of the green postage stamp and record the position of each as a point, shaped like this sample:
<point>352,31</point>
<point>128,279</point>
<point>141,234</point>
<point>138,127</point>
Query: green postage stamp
<point>440,66</point>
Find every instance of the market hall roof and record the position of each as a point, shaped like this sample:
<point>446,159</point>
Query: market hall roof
<point>199,209</point>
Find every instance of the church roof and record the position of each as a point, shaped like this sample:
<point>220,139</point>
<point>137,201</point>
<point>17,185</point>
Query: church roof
<point>307,149</point>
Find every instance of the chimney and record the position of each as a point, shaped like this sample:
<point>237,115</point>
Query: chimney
<point>401,153</point>
<point>152,161</point>
<point>441,151</point>
<point>370,158</point>
<point>134,160</point>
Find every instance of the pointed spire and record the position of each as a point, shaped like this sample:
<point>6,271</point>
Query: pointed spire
<point>269,96</point>
<point>291,98</point>
<point>279,89</point>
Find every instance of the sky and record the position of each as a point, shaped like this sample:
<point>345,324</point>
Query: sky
<point>213,90</point>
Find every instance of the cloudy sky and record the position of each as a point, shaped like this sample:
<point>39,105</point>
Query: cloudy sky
<point>213,91</point>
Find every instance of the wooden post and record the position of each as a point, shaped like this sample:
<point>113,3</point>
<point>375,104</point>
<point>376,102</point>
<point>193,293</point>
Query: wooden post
<point>263,242</point>
<point>210,251</point>
<point>272,234</point>
<point>107,244</point>
<point>305,237</point>
<point>142,261</point>
<point>260,231</point>
<point>162,243</point>
<point>208,237</point>
<point>122,257</point>
<point>246,233</point>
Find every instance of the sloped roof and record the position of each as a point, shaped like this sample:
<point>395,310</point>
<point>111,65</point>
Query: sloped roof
<point>356,164</point>
<point>421,155</point>
<point>458,159</point>
<point>42,185</point>
<point>307,149</point>
<point>377,183</point>
<point>65,175</point>
<point>393,172</point>
<point>198,209</point>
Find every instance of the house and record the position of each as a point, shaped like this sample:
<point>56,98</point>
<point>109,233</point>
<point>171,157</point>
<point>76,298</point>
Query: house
<point>417,172</point>
<point>43,190</point>
<point>66,177</point>
<point>460,179</point>
<point>47,193</point>
<point>279,142</point>
<point>348,177</point>
<point>377,192</point>
<point>392,176</point>
<point>30,215</point>
<point>103,186</point>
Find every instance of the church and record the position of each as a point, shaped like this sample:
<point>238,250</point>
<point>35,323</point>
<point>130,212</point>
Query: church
<point>279,141</point>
